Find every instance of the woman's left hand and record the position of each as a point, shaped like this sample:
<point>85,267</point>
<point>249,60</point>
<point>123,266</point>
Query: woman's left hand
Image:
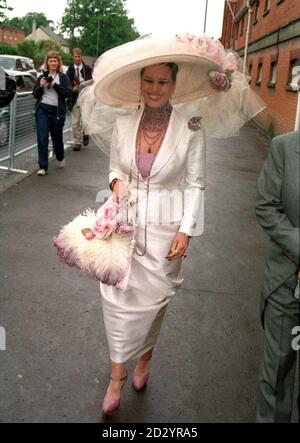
<point>179,246</point>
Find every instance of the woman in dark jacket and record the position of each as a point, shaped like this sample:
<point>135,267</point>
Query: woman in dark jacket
<point>51,90</point>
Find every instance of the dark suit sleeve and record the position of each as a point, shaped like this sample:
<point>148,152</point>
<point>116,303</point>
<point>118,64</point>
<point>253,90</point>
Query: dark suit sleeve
<point>270,208</point>
<point>89,73</point>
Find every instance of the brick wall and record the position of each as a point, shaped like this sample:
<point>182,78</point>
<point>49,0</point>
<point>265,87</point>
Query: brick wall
<point>278,15</point>
<point>279,116</point>
<point>10,35</point>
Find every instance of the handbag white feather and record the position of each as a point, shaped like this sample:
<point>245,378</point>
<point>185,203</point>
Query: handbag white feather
<point>100,244</point>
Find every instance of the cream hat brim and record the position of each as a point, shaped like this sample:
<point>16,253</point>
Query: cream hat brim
<point>117,74</point>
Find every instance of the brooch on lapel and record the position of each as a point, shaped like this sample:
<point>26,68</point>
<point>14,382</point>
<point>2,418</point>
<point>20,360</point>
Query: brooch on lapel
<point>194,123</point>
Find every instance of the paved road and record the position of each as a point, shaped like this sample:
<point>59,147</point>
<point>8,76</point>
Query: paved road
<point>205,367</point>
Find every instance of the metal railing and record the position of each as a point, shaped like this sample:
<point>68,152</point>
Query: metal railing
<point>18,140</point>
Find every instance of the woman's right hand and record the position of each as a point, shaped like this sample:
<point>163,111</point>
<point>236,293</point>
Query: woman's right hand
<point>43,82</point>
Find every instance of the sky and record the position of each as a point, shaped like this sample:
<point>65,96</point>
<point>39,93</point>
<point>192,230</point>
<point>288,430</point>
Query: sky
<point>156,16</point>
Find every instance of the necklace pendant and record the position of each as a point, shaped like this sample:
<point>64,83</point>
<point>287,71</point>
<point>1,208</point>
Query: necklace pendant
<point>149,150</point>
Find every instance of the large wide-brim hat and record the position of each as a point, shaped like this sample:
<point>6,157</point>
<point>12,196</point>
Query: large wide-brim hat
<point>117,73</point>
<point>210,85</point>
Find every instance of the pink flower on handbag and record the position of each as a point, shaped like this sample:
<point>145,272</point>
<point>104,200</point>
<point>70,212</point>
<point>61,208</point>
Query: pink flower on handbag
<point>111,211</point>
<point>124,230</point>
<point>220,81</point>
<point>102,230</point>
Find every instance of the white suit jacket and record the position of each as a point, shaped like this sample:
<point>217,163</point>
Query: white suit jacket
<point>180,161</point>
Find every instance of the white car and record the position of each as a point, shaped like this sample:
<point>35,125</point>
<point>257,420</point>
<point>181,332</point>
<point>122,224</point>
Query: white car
<point>24,83</point>
<point>17,63</point>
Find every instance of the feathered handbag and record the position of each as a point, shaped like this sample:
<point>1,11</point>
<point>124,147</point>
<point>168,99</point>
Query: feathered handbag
<point>100,244</point>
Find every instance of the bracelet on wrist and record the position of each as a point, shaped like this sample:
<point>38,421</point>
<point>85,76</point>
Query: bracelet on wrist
<point>111,185</point>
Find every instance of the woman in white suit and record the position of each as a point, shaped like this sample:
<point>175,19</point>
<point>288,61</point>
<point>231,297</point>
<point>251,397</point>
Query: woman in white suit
<point>157,156</point>
<point>133,317</point>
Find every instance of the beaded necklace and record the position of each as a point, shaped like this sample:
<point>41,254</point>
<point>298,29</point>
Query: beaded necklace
<point>154,125</point>
<point>153,120</point>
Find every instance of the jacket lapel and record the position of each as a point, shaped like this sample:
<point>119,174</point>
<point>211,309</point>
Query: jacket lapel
<point>170,143</point>
<point>132,133</point>
<point>168,147</point>
<point>294,162</point>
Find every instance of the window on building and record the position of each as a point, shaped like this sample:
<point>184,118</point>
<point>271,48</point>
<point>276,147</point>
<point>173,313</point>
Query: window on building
<point>255,12</point>
<point>267,6</point>
<point>236,31</point>
<point>242,25</point>
<point>259,74</point>
<point>273,75</point>
<point>294,75</point>
<point>250,72</point>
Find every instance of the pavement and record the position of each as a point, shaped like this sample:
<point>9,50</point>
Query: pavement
<point>205,367</point>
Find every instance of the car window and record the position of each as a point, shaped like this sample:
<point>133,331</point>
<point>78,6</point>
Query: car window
<point>20,85</point>
<point>27,65</point>
<point>7,63</point>
<point>29,83</point>
<point>19,66</point>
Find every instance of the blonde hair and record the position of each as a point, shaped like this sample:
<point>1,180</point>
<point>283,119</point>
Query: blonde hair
<point>53,54</point>
<point>76,51</point>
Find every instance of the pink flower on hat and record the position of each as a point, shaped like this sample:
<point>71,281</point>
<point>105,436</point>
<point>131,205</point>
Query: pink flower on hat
<point>200,44</point>
<point>232,69</point>
<point>220,81</point>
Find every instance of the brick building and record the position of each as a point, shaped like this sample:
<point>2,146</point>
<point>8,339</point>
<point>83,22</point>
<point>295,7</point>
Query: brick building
<point>273,59</point>
<point>11,35</point>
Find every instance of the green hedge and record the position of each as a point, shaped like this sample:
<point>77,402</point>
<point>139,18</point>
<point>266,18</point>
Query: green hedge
<point>7,49</point>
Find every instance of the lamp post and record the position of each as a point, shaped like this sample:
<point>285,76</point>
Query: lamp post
<point>247,36</point>
<point>205,17</point>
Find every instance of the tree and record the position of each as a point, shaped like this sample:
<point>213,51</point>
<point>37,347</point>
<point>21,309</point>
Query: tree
<point>4,7</point>
<point>38,50</point>
<point>99,24</point>
<point>44,46</point>
<point>25,23</point>
<point>27,48</point>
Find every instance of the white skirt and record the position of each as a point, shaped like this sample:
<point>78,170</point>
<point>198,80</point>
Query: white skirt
<point>133,317</point>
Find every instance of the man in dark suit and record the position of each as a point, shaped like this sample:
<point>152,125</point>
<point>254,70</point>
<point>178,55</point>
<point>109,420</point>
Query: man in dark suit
<point>78,72</point>
<point>278,212</point>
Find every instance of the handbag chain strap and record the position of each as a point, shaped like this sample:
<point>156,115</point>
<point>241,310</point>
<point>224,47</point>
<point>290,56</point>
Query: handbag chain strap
<point>144,250</point>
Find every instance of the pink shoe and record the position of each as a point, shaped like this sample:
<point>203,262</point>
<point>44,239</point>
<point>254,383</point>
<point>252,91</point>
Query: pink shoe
<point>139,382</point>
<point>110,406</point>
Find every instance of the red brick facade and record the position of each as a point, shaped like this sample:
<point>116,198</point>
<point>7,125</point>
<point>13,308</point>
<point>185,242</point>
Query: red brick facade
<point>10,35</point>
<point>274,53</point>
